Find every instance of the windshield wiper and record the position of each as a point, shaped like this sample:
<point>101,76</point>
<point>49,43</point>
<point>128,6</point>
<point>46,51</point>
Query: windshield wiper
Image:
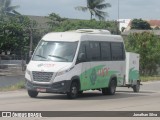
<point>41,56</point>
<point>58,57</point>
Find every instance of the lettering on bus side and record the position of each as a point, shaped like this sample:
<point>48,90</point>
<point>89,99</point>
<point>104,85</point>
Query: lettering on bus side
<point>103,72</point>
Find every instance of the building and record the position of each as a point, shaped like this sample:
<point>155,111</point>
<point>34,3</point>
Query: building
<point>154,24</point>
<point>123,24</point>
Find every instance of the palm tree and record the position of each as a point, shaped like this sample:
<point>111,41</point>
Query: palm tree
<point>6,8</point>
<point>95,7</point>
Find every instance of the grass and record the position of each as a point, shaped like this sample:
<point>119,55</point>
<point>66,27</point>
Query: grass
<point>17,86</point>
<point>149,78</point>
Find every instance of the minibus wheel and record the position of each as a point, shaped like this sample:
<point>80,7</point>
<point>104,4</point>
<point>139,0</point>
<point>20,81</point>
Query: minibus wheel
<point>32,94</point>
<point>136,87</point>
<point>104,91</point>
<point>73,93</point>
<point>111,89</point>
<point>80,92</point>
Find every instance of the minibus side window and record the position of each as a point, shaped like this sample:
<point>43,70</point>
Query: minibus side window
<point>94,51</point>
<point>82,50</point>
<point>105,51</point>
<point>117,51</point>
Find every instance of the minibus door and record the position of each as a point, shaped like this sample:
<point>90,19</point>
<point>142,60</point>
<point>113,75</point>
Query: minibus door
<point>85,67</point>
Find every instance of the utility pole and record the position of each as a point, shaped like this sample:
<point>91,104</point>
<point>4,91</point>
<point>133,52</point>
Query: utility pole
<point>31,41</point>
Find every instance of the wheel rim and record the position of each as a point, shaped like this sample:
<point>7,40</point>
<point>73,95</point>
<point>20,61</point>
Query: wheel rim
<point>113,87</point>
<point>138,87</point>
<point>74,91</point>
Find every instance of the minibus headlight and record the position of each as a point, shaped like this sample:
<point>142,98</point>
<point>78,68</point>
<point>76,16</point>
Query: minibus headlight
<point>63,72</point>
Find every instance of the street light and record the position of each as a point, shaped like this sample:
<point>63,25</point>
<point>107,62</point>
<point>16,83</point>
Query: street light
<point>118,9</point>
<point>118,18</point>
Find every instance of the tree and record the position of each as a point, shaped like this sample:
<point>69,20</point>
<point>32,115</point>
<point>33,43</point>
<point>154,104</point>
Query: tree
<point>54,20</point>
<point>140,24</point>
<point>12,35</point>
<point>16,31</point>
<point>147,45</point>
<point>95,8</point>
<point>6,8</point>
<point>87,24</point>
<point>15,35</point>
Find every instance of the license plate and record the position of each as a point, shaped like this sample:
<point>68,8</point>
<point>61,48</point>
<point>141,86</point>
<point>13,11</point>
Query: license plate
<point>41,90</point>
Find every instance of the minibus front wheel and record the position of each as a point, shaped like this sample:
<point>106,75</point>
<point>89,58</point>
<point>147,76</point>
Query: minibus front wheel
<point>32,94</point>
<point>73,92</point>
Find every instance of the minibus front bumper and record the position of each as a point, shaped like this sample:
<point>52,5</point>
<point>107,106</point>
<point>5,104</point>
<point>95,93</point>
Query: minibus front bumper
<point>58,87</point>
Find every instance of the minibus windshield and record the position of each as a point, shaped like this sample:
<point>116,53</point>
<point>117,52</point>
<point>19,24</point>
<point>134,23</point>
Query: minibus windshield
<point>55,51</point>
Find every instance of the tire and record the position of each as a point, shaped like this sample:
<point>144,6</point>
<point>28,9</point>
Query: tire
<point>105,91</point>
<point>111,89</point>
<point>136,87</point>
<point>32,94</point>
<point>73,93</point>
<point>80,92</point>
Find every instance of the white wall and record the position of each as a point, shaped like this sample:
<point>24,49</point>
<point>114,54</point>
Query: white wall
<point>123,23</point>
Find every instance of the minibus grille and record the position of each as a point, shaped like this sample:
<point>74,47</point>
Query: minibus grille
<point>42,76</point>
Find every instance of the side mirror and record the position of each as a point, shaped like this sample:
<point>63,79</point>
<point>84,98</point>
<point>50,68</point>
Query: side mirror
<point>81,57</point>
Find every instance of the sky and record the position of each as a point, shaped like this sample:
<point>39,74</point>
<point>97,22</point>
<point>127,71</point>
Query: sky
<point>128,9</point>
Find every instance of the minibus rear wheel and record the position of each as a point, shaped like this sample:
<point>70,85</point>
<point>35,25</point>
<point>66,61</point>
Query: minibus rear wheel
<point>32,94</point>
<point>111,89</point>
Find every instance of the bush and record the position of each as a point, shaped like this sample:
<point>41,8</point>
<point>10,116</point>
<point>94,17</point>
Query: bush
<point>148,46</point>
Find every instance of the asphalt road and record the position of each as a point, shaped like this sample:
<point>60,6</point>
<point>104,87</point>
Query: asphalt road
<point>124,100</point>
